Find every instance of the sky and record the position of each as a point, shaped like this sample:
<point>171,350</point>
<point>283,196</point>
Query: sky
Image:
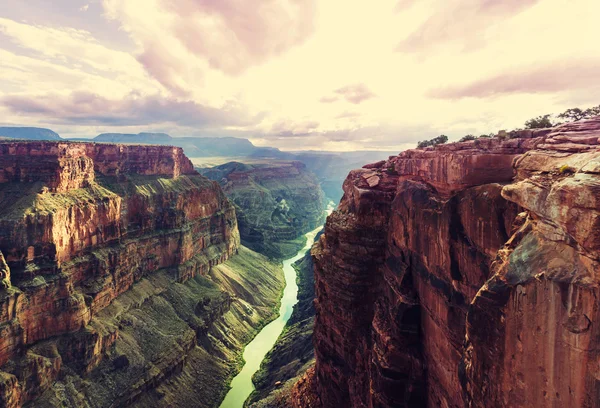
<point>296,74</point>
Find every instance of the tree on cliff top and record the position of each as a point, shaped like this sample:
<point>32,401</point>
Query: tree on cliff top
<point>570,115</point>
<point>441,139</point>
<point>575,114</point>
<point>468,137</point>
<point>539,122</point>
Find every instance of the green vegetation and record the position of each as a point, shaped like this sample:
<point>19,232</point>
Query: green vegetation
<point>467,138</point>
<point>566,169</point>
<point>539,122</point>
<point>441,139</point>
<point>276,203</point>
<point>180,343</point>
<point>575,114</point>
<point>570,115</point>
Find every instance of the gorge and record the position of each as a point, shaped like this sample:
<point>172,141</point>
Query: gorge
<point>458,275</point>
<point>124,279</point>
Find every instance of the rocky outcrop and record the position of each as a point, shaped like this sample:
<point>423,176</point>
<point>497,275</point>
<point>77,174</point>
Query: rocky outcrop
<point>82,224</point>
<point>463,275</point>
<point>276,202</point>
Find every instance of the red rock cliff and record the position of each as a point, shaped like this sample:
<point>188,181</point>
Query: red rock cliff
<point>79,225</point>
<point>463,275</point>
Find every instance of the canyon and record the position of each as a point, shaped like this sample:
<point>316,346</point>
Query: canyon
<point>124,281</point>
<point>276,203</point>
<point>459,275</point>
<point>463,275</point>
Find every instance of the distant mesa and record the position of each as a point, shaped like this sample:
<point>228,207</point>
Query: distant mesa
<point>28,133</point>
<point>193,146</point>
<point>133,138</point>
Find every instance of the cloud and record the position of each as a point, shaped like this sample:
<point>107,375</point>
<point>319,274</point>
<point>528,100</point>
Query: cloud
<point>84,108</point>
<point>402,5</point>
<point>84,8</point>
<point>42,51</point>
<point>328,99</point>
<point>290,128</point>
<point>460,21</point>
<point>361,138</point>
<point>348,115</point>
<point>226,35</point>
<point>555,76</point>
<point>355,93</point>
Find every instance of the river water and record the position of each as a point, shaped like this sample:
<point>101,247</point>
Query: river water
<point>257,349</point>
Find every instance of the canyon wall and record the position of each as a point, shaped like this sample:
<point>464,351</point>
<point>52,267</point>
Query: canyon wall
<point>276,202</point>
<point>105,250</point>
<point>463,275</point>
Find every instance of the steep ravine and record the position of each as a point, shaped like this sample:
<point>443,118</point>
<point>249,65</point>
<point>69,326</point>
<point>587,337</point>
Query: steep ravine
<point>277,202</point>
<point>124,282</point>
<point>464,275</point>
<point>293,353</point>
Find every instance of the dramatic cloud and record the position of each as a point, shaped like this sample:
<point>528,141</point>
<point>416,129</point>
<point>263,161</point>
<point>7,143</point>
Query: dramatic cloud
<point>556,76</point>
<point>227,35</point>
<point>319,74</point>
<point>85,108</point>
<point>460,21</point>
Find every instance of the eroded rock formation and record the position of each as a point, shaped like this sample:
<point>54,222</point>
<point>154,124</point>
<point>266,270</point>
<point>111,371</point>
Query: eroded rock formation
<point>277,202</point>
<point>108,249</point>
<point>463,275</point>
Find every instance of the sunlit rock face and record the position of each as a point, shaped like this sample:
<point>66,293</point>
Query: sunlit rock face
<point>80,224</point>
<point>463,275</point>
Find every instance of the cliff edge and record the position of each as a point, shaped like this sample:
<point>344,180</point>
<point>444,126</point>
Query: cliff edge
<point>122,278</point>
<point>463,275</point>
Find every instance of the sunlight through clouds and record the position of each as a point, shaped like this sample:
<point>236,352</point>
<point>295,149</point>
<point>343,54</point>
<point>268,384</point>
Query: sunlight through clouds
<point>321,74</point>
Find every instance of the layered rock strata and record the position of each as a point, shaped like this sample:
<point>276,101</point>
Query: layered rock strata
<point>463,275</point>
<point>276,202</point>
<point>80,224</point>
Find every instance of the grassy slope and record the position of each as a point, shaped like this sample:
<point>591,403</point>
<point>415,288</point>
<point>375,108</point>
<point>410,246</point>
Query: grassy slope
<point>158,320</point>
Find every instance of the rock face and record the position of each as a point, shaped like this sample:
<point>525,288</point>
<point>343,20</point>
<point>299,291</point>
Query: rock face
<point>82,224</point>
<point>463,275</point>
<point>276,202</point>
